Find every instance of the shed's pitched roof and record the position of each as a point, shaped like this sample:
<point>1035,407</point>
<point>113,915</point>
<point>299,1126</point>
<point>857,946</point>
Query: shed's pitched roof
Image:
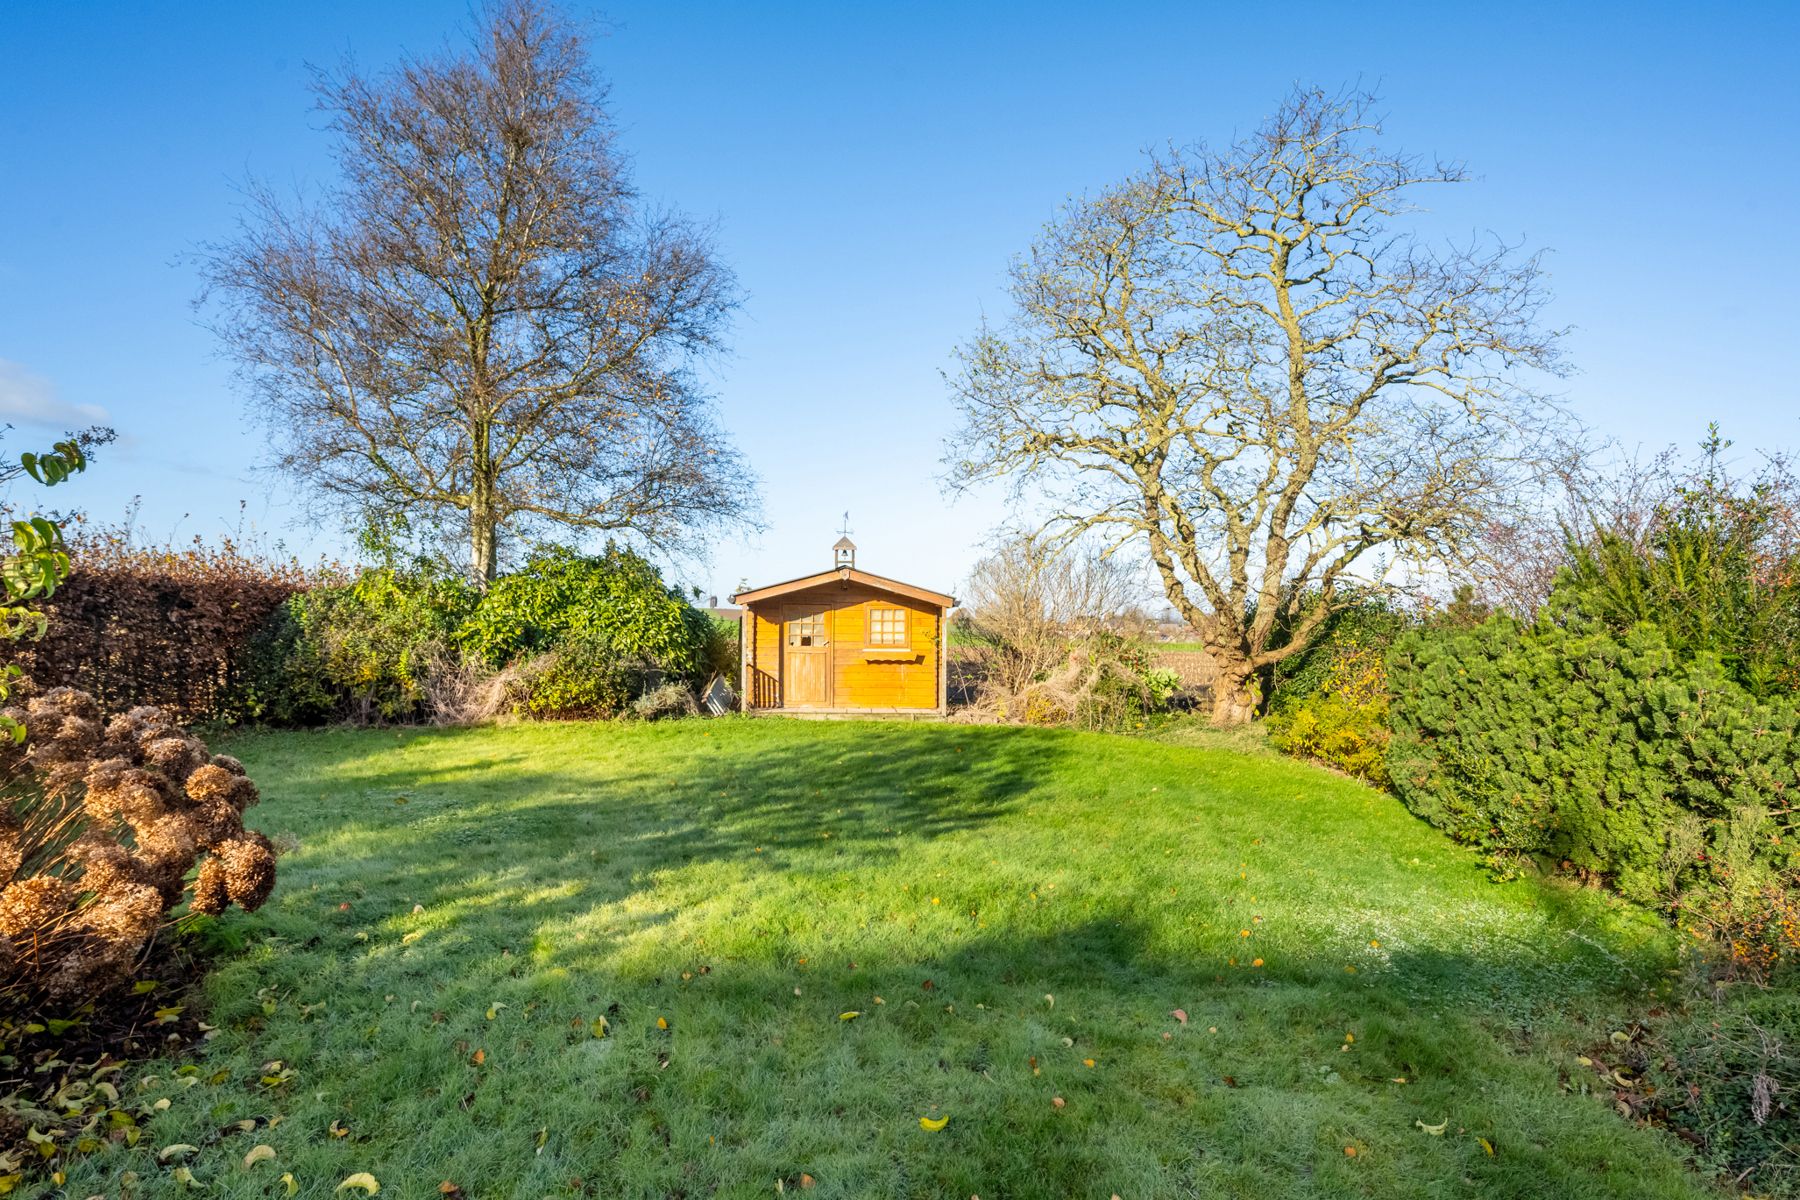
<point>853,576</point>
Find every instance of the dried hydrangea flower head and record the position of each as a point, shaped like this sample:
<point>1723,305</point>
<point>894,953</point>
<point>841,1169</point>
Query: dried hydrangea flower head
<point>107,822</point>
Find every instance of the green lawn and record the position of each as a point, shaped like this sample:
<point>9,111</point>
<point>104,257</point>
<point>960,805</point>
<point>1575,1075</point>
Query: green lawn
<point>458,908</point>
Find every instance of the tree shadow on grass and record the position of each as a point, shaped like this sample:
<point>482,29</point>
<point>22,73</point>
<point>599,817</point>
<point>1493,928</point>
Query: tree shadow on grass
<point>517,843</point>
<point>558,890</point>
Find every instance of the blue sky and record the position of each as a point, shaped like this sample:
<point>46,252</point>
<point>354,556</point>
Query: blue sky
<point>870,170</point>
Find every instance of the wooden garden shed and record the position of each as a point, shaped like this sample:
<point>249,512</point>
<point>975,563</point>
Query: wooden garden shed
<point>844,641</point>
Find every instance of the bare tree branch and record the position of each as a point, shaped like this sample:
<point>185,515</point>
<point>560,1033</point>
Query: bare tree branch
<point>1234,360</point>
<point>479,326</point>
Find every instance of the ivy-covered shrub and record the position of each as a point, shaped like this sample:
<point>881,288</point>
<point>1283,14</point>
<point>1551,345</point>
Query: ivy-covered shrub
<point>362,651</point>
<point>617,599</point>
<point>581,676</point>
<point>1613,757</point>
<point>1367,627</point>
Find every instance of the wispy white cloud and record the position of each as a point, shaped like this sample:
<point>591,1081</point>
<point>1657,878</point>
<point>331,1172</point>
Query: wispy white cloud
<point>28,399</point>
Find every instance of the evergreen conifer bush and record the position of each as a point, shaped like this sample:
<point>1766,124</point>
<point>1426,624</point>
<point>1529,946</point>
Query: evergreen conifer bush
<point>1612,756</point>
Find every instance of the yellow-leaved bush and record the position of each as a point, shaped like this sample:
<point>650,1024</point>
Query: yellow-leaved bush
<point>1344,723</point>
<point>103,823</point>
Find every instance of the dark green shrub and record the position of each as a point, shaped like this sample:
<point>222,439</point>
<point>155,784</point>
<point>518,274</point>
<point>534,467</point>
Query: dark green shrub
<point>721,655</point>
<point>615,603</point>
<point>360,651</point>
<point>1610,756</point>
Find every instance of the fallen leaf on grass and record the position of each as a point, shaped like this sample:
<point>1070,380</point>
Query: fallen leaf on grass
<point>494,1010</point>
<point>934,1124</point>
<point>599,1027</point>
<point>662,1022</point>
<point>1434,1130</point>
<point>806,1180</point>
<point>289,1183</point>
<point>849,1016</point>
<point>338,1129</point>
<point>1180,1014</point>
<point>258,1154</point>
<point>176,1150</point>
<point>1487,1146</point>
<point>479,1057</point>
<point>1057,1102</point>
<point>450,1190</point>
<point>363,1180</point>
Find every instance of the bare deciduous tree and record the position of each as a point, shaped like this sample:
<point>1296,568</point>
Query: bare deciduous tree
<point>1029,599</point>
<point>1235,362</point>
<point>479,326</point>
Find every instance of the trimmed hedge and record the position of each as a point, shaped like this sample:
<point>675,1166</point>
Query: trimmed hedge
<point>166,627</point>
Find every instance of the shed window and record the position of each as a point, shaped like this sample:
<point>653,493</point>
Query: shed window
<point>887,627</point>
<point>806,630</point>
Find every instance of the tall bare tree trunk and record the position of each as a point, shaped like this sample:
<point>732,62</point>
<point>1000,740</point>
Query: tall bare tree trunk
<point>484,521</point>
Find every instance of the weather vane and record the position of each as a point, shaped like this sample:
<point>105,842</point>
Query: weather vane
<point>846,529</point>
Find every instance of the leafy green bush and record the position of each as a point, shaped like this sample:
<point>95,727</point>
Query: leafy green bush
<point>362,651</point>
<point>617,599</point>
<point>1613,757</point>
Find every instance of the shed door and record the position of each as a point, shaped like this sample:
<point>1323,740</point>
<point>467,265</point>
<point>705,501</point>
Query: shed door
<point>806,661</point>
